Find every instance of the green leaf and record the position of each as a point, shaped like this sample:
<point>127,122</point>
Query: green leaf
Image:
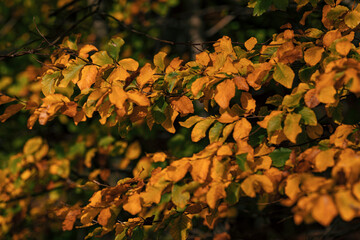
<point>261,7</point>
<point>275,100</point>
<point>49,81</point>
<point>274,124</point>
<point>159,60</point>
<point>158,110</point>
<point>106,141</point>
<point>308,116</point>
<point>101,58</point>
<point>241,161</point>
<point>171,80</point>
<point>280,156</point>
<point>138,233</point>
<point>113,47</point>
<point>233,193</point>
<point>292,100</point>
<point>284,75</point>
<point>352,19</point>
<point>180,196</point>
<point>215,131</point>
<point>281,4</point>
<point>179,227</point>
<point>72,72</point>
<point>306,72</point>
<point>337,12</point>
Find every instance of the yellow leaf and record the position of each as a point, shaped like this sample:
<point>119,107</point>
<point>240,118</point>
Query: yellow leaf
<point>146,75</point>
<point>250,43</point>
<point>197,86</point>
<point>292,189</point>
<point>191,121</point>
<point>284,75</point>
<point>255,183</point>
<point>325,90</point>
<point>88,76</point>
<point>159,157</point>
<point>330,37</point>
<point>104,216</point>
<point>242,129</point>
<point>216,192</point>
<point>343,47</point>
<point>199,130</point>
<point>129,64</point>
<point>159,60</point>
<point>247,102</point>
<point>203,58</point>
<point>224,150</point>
<point>264,123</point>
<point>325,159</point>
<point>356,190</point>
<point>313,55</point>
<point>352,19</point>
<point>95,199</point>
<point>224,46</point>
<point>84,51</point>
<point>32,145</point>
<point>200,169</point>
<point>347,205</point>
<point>262,163</point>
<point>225,91</point>
<point>118,96</point>
<point>133,151</point>
<point>292,128</point>
<point>88,215</point>
<point>339,137</point>
<point>182,104</point>
<point>138,98</point>
<point>177,170</point>
<point>168,124</point>
<point>118,74</point>
<point>10,111</point>
<point>133,204</point>
<point>324,210</point>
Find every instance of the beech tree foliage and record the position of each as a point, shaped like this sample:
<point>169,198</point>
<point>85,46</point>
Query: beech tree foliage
<point>274,119</point>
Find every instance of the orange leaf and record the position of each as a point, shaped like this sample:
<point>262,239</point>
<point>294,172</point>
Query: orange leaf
<point>247,102</point>
<point>199,130</point>
<point>347,205</point>
<point>216,192</point>
<point>310,98</point>
<point>292,128</point>
<point>225,91</point>
<point>5,99</point>
<point>313,55</point>
<point>255,183</point>
<point>88,76</point>
<point>197,86</point>
<point>133,204</point>
<point>292,188</point>
<point>118,96</point>
<point>325,159</point>
<point>324,210</point>
<point>129,64</point>
<point>200,169</point>
<point>182,104</point>
<point>241,83</point>
<point>138,98</point>
<point>168,124</point>
<point>10,111</point>
<point>242,129</point>
<point>177,170</point>
<point>203,58</point>
<point>146,75</point>
<point>250,43</point>
<point>104,216</point>
<point>343,47</point>
<point>330,37</point>
<point>70,219</point>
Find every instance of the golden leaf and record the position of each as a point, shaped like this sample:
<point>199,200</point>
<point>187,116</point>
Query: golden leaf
<point>104,216</point>
<point>284,75</point>
<point>325,159</point>
<point>133,204</point>
<point>182,104</point>
<point>32,145</point>
<point>292,189</point>
<point>255,183</point>
<point>177,170</point>
<point>118,74</point>
<point>138,98</point>
<point>216,192</point>
<point>242,129</point>
<point>84,51</point>
<point>88,76</point>
<point>191,121</point>
<point>250,43</point>
<point>197,86</point>
<point>247,102</point>
<point>324,210</point>
<point>224,150</point>
<point>264,123</point>
<point>133,151</point>
<point>203,58</point>
<point>313,55</point>
<point>225,91</point>
<point>118,96</point>
<point>292,127</point>
<point>330,37</point>
<point>200,128</point>
<point>262,163</point>
<point>310,98</point>
<point>200,169</point>
<point>352,19</point>
<point>168,124</point>
<point>159,60</point>
<point>88,215</point>
<point>343,47</point>
<point>129,64</point>
<point>146,75</point>
<point>347,205</point>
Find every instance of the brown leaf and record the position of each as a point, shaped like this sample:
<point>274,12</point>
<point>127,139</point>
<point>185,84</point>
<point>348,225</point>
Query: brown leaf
<point>10,111</point>
<point>70,219</point>
<point>104,216</point>
<point>310,98</point>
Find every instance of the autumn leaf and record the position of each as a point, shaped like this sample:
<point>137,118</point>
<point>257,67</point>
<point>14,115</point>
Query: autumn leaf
<point>170,116</point>
<point>255,183</point>
<point>88,76</point>
<point>324,210</point>
<point>159,60</point>
<point>250,43</point>
<point>292,127</point>
<point>70,219</point>
<point>352,19</point>
<point>129,64</point>
<point>133,204</point>
<point>310,98</point>
<point>203,58</point>
<point>10,111</point>
<point>292,189</point>
<point>200,169</point>
<point>71,73</point>
<point>118,96</point>
<point>347,205</point>
<point>200,128</point>
<point>101,58</point>
<point>313,55</point>
<point>242,129</point>
<point>247,102</point>
<point>145,76</point>
<point>284,75</point>
<point>32,145</point>
<point>179,227</point>
<point>343,47</point>
<point>6,99</point>
<point>113,47</point>
<point>215,193</point>
<point>325,159</point>
<point>138,98</point>
<point>182,104</point>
